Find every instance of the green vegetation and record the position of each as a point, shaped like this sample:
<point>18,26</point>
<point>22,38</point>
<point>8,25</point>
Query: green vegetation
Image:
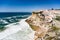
<point>54,28</point>
<point>58,18</point>
<point>49,38</point>
<point>34,27</point>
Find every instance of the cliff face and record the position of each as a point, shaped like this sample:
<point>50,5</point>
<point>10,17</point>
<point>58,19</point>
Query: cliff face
<point>46,24</point>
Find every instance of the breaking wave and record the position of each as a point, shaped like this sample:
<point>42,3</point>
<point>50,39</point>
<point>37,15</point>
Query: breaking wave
<point>15,28</point>
<point>17,31</point>
<point>8,20</point>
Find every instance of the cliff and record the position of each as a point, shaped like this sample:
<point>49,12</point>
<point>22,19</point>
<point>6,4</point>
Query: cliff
<point>46,24</point>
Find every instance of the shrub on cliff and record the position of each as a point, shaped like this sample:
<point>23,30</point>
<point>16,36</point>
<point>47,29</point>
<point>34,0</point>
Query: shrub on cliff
<point>58,18</point>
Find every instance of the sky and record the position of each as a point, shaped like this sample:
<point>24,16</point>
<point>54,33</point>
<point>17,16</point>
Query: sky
<point>27,5</point>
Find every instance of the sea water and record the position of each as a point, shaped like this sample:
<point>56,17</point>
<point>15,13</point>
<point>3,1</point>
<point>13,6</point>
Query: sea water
<point>12,17</point>
<point>15,26</point>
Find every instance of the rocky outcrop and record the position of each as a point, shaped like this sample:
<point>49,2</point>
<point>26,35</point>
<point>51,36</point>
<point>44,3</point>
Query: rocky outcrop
<point>44,24</point>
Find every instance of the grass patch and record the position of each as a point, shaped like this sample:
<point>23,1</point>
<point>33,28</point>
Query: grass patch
<point>58,18</point>
<point>55,28</point>
<point>34,27</point>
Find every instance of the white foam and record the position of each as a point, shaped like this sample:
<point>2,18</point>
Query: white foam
<point>17,32</point>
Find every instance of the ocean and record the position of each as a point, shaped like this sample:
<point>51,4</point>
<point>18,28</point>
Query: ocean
<point>12,17</point>
<point>10,14</point>
<point>14,27</point>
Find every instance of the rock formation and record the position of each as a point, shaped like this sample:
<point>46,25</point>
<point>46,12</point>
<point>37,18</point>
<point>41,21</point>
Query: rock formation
<point>44,24</point>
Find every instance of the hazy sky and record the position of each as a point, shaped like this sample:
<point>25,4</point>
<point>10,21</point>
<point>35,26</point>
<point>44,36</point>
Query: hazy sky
<point>27,5</point>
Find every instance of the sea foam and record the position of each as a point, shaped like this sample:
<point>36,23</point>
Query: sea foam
<point>20,31</point>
